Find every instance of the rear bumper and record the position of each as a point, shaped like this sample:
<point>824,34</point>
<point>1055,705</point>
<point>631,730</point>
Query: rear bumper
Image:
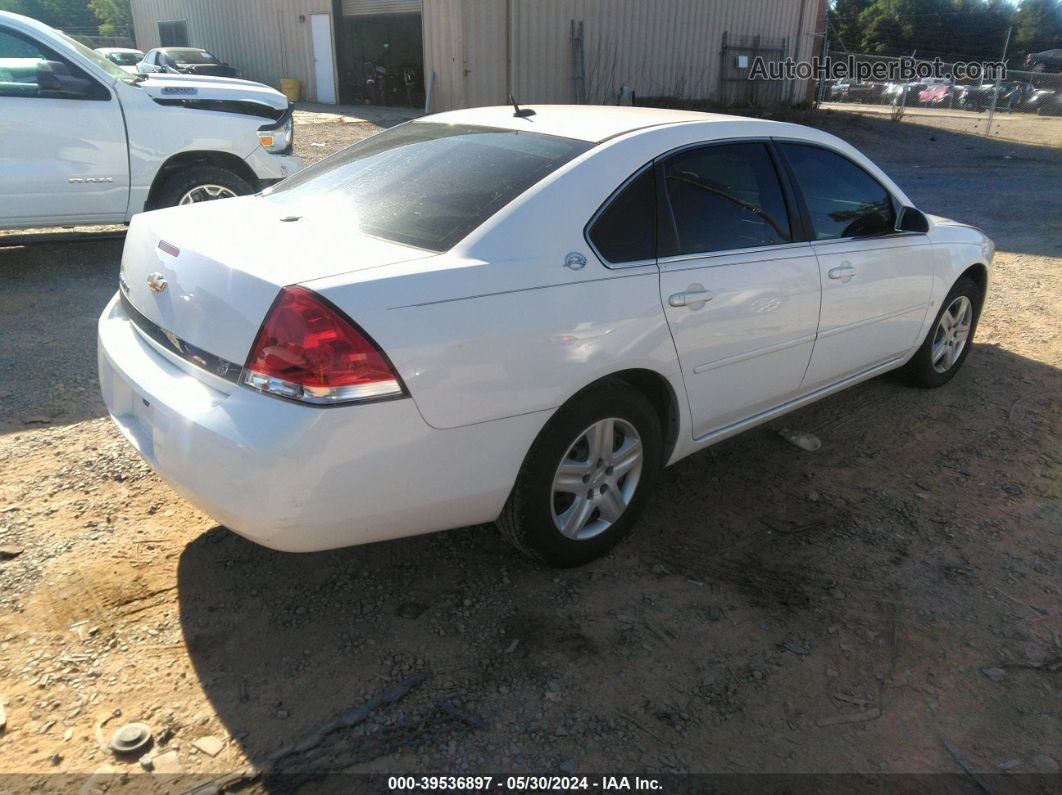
<point>297,478</point>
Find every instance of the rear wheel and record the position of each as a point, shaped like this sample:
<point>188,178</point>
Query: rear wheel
<point>586,478</point>
<point>948,343</point>
<point>199,183</point>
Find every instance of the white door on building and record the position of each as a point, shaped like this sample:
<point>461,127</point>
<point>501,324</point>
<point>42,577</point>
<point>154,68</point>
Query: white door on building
<point>323,62</point>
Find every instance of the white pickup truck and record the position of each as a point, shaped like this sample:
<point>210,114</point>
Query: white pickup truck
<point>85,142</point>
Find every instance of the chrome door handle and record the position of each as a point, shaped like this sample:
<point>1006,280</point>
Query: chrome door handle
<point>695,298</point>
<point>844,273</point>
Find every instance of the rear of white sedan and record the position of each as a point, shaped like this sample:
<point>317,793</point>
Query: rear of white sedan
<point>486,315</point>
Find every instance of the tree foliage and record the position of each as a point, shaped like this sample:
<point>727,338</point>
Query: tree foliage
<point>951,29</point>
<point>72,16</point>
<point>116,17</point>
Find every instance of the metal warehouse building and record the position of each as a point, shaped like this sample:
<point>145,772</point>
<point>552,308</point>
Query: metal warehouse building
<point>464,53</point>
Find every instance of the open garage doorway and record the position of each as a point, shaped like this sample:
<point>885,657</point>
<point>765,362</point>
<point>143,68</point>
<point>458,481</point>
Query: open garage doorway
<point>382,59</point>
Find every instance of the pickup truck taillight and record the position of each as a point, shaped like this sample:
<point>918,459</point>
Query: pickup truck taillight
<point>309,351</point>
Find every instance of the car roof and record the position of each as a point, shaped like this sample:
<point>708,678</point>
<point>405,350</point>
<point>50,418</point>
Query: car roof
<point>593,123</point>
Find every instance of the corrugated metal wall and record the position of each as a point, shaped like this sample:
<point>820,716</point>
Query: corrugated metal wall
<point>479,50</point>
<point>357,8</point>
<point>264,39</point>
<point>658,47</point>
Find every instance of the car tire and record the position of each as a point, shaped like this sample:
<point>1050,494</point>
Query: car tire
<point>545,518</point>
<point>200,182</point>
<point>948,342</point>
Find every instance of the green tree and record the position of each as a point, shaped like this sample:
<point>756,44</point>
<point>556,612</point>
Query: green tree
<point>844,17</point>
<point>116,17</point>
<point>1037,26</point>
<point>951,29</point>
<point>72,16</point>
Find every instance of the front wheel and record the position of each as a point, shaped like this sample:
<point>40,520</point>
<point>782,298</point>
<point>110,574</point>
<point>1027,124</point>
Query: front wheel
<point>948,343</point>
<point>586,478</point>
<point>199,183</point>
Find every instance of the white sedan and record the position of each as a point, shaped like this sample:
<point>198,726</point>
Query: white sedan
<point>123,57</point>
<point>521,317</point>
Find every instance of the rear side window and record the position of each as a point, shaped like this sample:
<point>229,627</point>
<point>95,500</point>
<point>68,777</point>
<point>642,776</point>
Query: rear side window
<point>842,198</point>
<point>425,184</point>
<point>626,229</point>
<point>723,197</point>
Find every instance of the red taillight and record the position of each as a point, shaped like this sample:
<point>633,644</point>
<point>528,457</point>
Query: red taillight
<point>308,350</point>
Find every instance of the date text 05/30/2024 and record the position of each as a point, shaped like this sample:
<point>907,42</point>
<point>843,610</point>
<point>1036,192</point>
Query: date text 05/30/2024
<point>523,783</point>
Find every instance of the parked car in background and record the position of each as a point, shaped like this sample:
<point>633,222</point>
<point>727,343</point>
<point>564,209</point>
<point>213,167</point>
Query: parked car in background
<point>854,91</point>
<point>936,95</point>
<point>1046,102</point>
<point>123,57</point>
<point>979,98</point>
<point>902,93</point>
<point>485,315</point>
<point>85,142</point>
<point>185,61</point>
<point>1046,61</point>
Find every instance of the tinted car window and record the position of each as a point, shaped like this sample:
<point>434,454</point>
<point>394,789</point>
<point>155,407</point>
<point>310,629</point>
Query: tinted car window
<point>626,230</point>
<point>191,57</point>
<point>843,199</point>
<point>724,197</point>
<point>29,70</point>
<point>425,184</point>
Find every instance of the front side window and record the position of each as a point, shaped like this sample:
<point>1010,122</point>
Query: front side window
<point>625,231</point>
<point>425,184</point>
<point>29,70</point>
<point>723,197</point>
<point>842,198</point>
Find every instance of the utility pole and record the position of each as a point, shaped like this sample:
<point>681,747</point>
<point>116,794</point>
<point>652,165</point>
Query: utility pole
<point>821,88</point>
<point>995,92</point>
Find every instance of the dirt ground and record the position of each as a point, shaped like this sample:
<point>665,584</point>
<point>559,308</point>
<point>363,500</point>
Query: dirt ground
<point>889,604</point>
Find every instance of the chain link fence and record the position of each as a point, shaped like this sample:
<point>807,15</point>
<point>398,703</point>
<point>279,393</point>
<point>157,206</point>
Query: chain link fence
<point>908,82</point>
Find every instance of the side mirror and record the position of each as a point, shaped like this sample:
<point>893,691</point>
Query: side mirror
<point>912,220</point>
<point>147,69</point>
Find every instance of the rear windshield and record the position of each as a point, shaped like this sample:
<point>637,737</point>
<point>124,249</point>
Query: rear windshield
<point>192,56</point>
<point>425,184</point>
<point>125,58</point>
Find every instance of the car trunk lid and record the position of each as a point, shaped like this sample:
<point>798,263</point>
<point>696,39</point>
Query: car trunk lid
<point>207,274</point>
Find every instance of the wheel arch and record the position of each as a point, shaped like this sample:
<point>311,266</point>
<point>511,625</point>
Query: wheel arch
<point>226,160</point>
<point>657,389</point>
<point>978,274</point>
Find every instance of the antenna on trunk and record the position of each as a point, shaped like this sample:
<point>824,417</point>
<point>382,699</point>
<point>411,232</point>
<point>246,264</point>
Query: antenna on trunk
<point>521,113</point>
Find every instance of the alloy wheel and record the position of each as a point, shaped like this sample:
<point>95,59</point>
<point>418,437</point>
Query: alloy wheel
<point>207,193</point>
<point>597,478</point>
<point>953,330</point>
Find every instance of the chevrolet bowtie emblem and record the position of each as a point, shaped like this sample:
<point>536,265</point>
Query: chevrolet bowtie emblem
<point>157,282</point>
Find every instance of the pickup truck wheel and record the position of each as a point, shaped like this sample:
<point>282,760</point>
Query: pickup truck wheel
<point>586,478</point>
<point>201,183</point>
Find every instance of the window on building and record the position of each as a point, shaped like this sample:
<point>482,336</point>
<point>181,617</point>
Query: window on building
<point>173,34</point>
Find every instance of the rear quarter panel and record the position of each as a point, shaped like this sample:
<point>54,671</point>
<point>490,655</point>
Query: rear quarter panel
<point>499,326</point>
